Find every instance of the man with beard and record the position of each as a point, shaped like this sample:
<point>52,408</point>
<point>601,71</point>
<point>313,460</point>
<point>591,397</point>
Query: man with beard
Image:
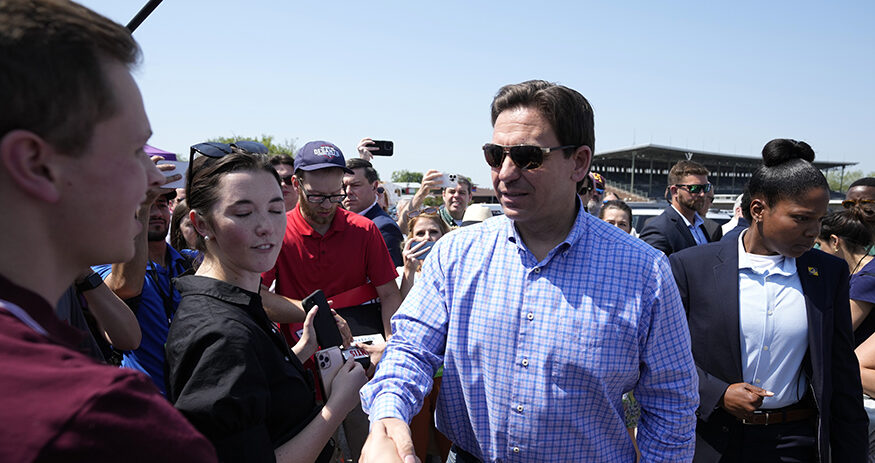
<point>340,252</point>
<point>862,193</point>
<point>680,226</point>
<point>144,283</point>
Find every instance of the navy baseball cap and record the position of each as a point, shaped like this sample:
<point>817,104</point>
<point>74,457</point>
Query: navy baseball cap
<point>320,155</point>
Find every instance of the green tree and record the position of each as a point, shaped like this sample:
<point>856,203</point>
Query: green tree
<point>405,176</point>
<point>840,183</point>
<point>273,147</point>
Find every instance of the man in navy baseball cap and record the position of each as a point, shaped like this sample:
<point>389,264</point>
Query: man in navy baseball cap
<point>340,252</point>
<point>317,155</point>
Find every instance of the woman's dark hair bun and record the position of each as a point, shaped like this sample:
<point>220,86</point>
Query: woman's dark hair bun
<point>781,150</point>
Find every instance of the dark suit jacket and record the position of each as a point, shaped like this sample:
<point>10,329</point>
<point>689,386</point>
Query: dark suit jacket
<point>733,234</point>
<point>668,232</point>
<point>713,230</point>
<point>390,231</point>
<point>707,277</point>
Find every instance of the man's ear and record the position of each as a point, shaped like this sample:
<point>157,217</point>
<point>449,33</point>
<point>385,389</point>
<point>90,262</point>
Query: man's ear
<point>31,164</point>
<point>582,160</point>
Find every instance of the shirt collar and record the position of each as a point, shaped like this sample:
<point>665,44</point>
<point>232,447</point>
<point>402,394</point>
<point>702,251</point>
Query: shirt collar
<point>41,311</point>
<point>574,235</point>
<point>338,223</point>
<point>226,292</point>
<point>786,266</point>
<point>697,220</point>
<point>362,213</point>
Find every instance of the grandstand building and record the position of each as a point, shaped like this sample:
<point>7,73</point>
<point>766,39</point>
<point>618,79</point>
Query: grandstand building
<point>640,173</point>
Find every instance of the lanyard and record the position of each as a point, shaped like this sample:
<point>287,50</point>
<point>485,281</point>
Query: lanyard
<point>19,313</point>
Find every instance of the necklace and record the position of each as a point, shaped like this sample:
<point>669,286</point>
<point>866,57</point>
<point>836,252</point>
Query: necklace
<point>858,263</point>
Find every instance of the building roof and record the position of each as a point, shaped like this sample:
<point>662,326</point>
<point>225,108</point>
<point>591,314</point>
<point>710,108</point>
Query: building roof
<point>670,154</point>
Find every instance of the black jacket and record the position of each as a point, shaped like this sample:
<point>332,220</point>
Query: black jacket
<point>707,277</point>
<point>669,233</point>
<point>231,373</point>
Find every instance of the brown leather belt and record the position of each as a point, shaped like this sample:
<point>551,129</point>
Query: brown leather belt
<point>767,417</point>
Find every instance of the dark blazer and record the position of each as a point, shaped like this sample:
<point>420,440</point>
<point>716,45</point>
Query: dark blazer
<point>390,231</point>
<point>733,234</point>
<point>707,277</point>
<point>713,230</point>
<point>668,232</point>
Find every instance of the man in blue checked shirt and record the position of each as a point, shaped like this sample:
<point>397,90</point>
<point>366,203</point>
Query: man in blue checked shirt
<point>542,318</point>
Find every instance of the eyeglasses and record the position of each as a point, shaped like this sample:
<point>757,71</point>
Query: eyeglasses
<point>600,191</point>
<point>417,212</point>
<point>867,205</point>
<point>217,150</point>
<point>319,199</point>
<point>696,189</point>
<point>523,156</point>
<point>287,180</point>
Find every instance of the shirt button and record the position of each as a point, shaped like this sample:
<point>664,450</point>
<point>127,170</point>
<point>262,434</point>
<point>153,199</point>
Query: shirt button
<point>525,362</point>
<point>537,269</point>
<point>530,316</point>
<point>758,381</point>
<point>516,450</point>
<point>765,347</point>
<point>519,408</point>
<point>770,312</point>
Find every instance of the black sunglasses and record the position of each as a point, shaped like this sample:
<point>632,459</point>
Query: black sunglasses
<point>524,156</point>
<point>696,189</point>
<point>287,180</point>
<point>217,150</point>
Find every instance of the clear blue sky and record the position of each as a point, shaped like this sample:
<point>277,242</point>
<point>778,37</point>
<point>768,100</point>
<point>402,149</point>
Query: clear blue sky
<point>714,76</point>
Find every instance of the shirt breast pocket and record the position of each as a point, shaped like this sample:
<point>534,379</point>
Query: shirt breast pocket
<point>602,354</point>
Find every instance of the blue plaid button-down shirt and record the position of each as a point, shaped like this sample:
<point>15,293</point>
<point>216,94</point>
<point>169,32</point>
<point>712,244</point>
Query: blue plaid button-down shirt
<point>537,355</point>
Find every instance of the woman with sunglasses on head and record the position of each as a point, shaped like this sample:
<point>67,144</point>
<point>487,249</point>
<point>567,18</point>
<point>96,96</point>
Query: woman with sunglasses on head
<point>771,329</point>
<point>230,371</point>
<point>845,235</point>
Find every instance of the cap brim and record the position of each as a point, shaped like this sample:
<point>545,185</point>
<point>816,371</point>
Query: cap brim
<point>325,165</point>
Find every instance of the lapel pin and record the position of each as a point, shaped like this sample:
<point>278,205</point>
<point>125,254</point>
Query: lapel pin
<point>813,271</point>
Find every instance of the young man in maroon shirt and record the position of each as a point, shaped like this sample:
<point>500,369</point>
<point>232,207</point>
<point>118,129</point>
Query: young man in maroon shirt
<point>72,174</point>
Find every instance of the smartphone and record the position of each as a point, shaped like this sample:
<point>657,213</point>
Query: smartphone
<point>327,334</point>
<point>179,167</point>
<point>447,181</point>
<point>384,147</point>
<point>427,246</point>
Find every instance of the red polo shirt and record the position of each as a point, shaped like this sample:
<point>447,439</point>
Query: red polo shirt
<point>57,404</point>
<point>351,253</point>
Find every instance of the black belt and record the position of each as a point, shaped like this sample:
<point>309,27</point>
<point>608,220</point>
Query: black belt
<point>789,414</point>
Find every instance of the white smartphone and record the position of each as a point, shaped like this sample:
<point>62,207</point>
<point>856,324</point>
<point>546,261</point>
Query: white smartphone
<point>447,181</point>
<point>180,167</point>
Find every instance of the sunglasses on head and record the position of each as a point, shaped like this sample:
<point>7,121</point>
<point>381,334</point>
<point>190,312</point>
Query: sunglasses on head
<point>866,204</point>
<point>217,150</point>
<point>696,189</point>
<point>523,156</point>
<point>417,212</point>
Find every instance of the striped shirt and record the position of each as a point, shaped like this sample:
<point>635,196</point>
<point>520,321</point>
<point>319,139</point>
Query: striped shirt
<point>537,355</point>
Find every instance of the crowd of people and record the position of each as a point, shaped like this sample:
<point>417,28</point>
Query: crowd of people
<point>148,323</point>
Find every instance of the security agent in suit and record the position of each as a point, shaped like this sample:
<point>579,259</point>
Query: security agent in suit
<point>361,191</point>
<point>778,379</point>
<point>680,226</point>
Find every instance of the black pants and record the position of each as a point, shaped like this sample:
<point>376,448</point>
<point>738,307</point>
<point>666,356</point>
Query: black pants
<point>457,455</point>
<point>786,442</point>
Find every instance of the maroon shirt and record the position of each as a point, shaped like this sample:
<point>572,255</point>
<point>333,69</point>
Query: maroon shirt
<point>57,404</point>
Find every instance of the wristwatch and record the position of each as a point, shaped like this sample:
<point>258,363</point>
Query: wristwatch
<point>90,282</point>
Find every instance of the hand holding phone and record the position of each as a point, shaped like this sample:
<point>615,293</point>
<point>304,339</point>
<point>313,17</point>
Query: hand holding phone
<point>447,181</point>
<point>384,147</point>
<point>327,334</point>
<point>179,167</point>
